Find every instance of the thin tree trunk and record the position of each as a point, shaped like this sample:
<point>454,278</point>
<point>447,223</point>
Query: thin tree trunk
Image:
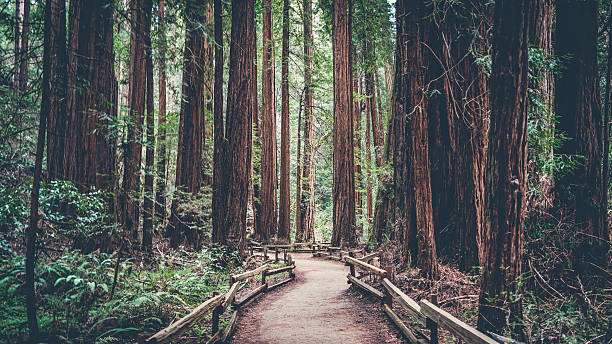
<point>160,189</point>
<point>23,61</point>
<point>17,55</point>
<point>284,221</point>
<point>269,174</point>
<point>298,176</point>
<point>506,170</point>
<point>307,197</point>
<point>240,102</point>
<point>148,206</point>
<point>368,159</point>
<point>219,197</point>
<point>344,163</point>
<point>606,129</point>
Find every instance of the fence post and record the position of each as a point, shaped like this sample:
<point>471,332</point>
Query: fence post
<point>215,316</point>
<point>251,251</point>
<point>265,253</point>
<point>352,267</point>
<point>431,325</point>
<point>285,256</point>
<point>276,254</point>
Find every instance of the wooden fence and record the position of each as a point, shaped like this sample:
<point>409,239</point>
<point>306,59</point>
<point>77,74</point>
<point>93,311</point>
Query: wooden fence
<point>425,312</point>
<point>218,304</point>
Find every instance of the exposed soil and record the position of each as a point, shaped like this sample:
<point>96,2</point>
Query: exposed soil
<point>318,307</point>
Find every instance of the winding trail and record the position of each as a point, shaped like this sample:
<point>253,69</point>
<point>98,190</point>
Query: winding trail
<point>318,307</point>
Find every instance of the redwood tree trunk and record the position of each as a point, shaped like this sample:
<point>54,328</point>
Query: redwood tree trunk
<point>136,104</point>
<point>308,137</point>
<point>148,211</point>
<point>160,188</point>
<point>57,121</point>
<point>191,125</point>
<point>506,169</point>
<point>237,157</point>
<point>284,221</point>
<point>579,115</point>
<point>269,175</point>
<point>24,50</point>
<point>219,198</point>
<point>344,163</point>
<point>412,170</point>
<point>16,54</point>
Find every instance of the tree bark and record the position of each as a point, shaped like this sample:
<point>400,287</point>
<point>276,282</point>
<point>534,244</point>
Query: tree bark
<point>579,119</point>
<point>24,50</point>
<point>368,159</point>
<point>191,125</point>
<point>411,153</point>
<point>219,198</point>
<point>506,170</point>
<point>269,175</point>
<point>240,105</point>
<point>160,188</point>
<point>57,121</point>
<point>284,221</point>
<point>307,210</point>
<point>344,163</point>
<point>136,104</point>
<point>149,210</point>
<point>298,176</point>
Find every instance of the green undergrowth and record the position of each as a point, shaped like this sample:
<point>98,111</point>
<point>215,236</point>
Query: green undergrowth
<point>74,289</point>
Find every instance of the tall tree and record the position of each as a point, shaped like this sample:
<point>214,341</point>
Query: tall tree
<point>24,50</point>
<point>148,205</point>
<point>284,220</point>
<point>506,169</point>
<point>579,119</point>
<point>368,159</point>
<point>191,125</point>
<point>218,201</point>
<point>411,153</point>
<point>57,121</point>
<point>237,149</point>
<point>306,230</point>
<point>269,175</point>
<point>344,163</point>
<point>373,112</point>
<point>160,188</point>
<point>136,103</point>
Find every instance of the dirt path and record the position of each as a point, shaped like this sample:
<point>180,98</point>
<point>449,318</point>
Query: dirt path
<point>317,307</point>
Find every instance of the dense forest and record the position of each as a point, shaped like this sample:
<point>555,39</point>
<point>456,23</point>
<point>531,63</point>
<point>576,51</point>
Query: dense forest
<point>145,143</point>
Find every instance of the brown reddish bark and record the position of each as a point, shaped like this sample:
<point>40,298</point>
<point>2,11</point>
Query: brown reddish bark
<point>160,188</point>
<point>579,114</point>
<point>372,111</point>
<point>412,171</point>
<point>218,201</point>
<point>136,105</point>
<point>344,163</point>
<point>306,232</point>
<point>358,149</point>
<point>148,207</point>
<point>298,175</point>
<point>368,159</point>
<point>606,123</point>
<point>284,221</point>
<point>269,176</point>
<point>191,124</point>
<point>24,50</point>
<point>240,105</point>
<point>506,170</point>
<point>57,120</point>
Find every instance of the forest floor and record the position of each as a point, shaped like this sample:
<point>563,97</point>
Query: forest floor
<point>318,307</point>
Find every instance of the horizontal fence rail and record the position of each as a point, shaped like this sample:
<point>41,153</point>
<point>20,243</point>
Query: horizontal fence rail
<point>218,304</point>
<point>425,312</point>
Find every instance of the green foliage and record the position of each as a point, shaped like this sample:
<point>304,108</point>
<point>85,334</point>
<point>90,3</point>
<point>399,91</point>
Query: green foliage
<point>83,217</point>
